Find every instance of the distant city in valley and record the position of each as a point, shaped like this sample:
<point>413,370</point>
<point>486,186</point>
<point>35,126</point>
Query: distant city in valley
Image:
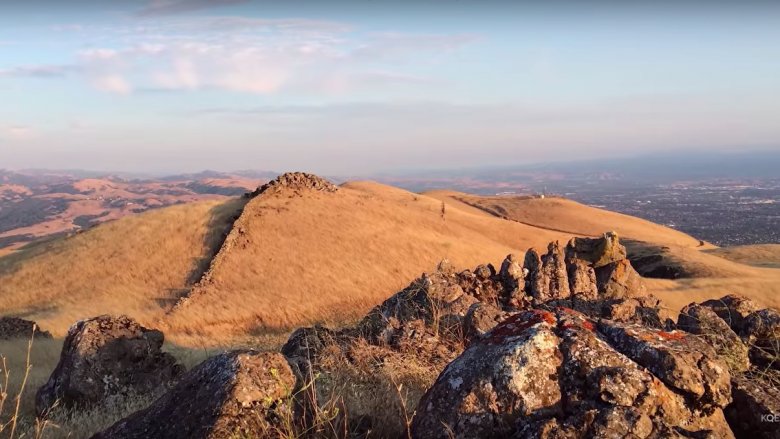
<point>723,212</point>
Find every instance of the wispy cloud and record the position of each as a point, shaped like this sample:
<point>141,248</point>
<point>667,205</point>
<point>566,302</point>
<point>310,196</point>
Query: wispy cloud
<point>255,55</point>
<point>169,7</point>
<point>40,71</point>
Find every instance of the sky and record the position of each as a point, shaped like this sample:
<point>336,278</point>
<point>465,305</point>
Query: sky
<point>354,87</point>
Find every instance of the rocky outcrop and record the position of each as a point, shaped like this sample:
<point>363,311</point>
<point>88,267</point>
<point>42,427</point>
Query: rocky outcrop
<point>14,327</point>
<point>618,280</point>
<point>549,279</point>
<point>597,252</point>
<point>559,374</point>
<point>582,280</point>
<point>107,358</point>
<point>295,181</point>
<point>236,394</point>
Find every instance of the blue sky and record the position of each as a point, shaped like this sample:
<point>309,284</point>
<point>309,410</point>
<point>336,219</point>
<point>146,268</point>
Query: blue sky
<point>357,87</point>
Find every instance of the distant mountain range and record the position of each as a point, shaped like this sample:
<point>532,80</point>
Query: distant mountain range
<point>39,203</point>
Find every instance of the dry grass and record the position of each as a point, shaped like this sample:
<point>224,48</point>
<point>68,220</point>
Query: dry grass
<point>137,266</point>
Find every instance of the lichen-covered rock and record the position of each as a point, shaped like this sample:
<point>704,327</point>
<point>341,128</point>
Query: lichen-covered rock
<point>14,327</point>
<point>597,252</point>
<point>704,322</point>
<point>510,373</point>
<point>106,358</point>
<point>733,309</point>
<point>683,362</point>
<point>755,412</point>
<point>618,280</point>
<point>559,374</point>
<point>236,394</point>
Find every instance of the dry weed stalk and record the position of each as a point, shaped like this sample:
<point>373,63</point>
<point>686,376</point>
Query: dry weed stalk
<point>12,424</point>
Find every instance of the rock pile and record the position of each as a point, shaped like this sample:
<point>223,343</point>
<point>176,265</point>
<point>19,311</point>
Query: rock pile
<point>296,181</point>
<point>14,327</point>
<point>107,358</point>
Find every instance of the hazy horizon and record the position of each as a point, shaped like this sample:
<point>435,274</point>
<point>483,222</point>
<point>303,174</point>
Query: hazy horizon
<point>174,86</point>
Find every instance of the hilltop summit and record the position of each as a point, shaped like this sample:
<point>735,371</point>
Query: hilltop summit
<point>296,181</point>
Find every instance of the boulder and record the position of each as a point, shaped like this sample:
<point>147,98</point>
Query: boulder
<point>761,331</point>
<point>596,252</point>
<point>618,280</point>
<point>235,394</point>
<point>481,318</point>
<point>755,412</point>
<point>704,322</point>
<point>14,327</point>
<point>732,308</point>
<point>510,373</point>
<point>541,374</point>
<point>106,358</point>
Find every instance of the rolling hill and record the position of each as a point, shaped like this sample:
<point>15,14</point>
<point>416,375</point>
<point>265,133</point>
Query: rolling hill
<point>300,250</point>
<point>36,204</point>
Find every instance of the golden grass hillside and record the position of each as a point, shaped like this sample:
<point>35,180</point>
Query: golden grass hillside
<point>329,257</point>
<point>573,218</point>
<point>138,265</point>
